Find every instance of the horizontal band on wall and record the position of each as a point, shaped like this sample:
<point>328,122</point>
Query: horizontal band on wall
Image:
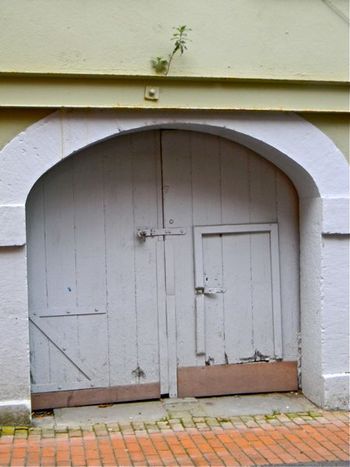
<point>181,93</point>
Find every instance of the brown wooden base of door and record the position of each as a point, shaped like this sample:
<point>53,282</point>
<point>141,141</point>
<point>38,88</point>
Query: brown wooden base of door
<point>214,380</point>
<point>56,399</point>
<point>244,378</point>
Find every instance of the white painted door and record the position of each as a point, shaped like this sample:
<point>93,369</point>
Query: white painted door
<point>109,309</point>
<point>209,181</point>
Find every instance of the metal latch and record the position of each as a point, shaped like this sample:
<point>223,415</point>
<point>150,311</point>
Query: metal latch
<point>143,233</point>
<point>209,290</point>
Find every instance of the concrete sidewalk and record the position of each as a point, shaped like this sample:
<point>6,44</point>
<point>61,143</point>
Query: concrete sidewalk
<point>133,434</point>
<point>225,406</point>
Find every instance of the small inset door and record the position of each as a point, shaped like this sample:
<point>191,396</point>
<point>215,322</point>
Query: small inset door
<point>237,286</point>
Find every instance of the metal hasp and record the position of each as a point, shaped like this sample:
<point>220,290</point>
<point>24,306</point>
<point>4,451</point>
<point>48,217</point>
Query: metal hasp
<point>143,233</point>
<point>209,290</point>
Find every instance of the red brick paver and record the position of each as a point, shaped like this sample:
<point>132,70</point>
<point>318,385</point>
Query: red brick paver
<point>280,439</point>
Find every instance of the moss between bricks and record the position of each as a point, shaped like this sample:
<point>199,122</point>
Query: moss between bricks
<point>165,422</point>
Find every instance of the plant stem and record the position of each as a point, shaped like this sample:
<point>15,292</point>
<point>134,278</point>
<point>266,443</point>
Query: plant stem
<point>171,56</point>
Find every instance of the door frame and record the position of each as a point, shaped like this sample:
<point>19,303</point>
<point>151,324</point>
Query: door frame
<point>312,161</point>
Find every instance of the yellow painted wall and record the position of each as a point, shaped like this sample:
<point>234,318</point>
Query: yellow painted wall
<point>13,121</point>
<point>294,39</point>
<point>336,126</point>
<point>254,39</point>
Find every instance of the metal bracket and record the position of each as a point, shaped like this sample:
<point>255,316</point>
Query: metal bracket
<point>151,93</point>
<point>143,233</point>
<point>209,290</point>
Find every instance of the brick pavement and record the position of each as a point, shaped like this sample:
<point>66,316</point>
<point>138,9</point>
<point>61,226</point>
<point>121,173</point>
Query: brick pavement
<point>298,438</point>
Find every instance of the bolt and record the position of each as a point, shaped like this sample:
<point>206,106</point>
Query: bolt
<point>152,92</point>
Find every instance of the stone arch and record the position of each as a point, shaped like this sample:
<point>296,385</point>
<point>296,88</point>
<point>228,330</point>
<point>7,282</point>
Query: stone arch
<point>308,157</point>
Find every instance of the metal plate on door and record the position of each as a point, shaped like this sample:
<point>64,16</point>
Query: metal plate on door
<point>143,233</point>
<point>209,290</point>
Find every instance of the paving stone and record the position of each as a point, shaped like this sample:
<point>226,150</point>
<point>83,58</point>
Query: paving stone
<point>188,423</point>
<point>47,433</point>
<point>212,421</point>
<point>151,427</point>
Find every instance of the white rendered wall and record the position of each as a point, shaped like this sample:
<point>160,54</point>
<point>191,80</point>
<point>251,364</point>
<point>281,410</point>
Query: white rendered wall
<point>310,159</point>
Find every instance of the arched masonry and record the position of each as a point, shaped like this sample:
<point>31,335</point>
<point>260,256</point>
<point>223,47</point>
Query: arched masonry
<point>317,168</point>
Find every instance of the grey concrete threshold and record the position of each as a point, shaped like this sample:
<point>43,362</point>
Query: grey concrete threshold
<point>149,411</point>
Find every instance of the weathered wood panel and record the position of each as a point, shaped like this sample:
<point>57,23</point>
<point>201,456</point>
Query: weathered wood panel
<point>246,378</point>
<point>56,399</point>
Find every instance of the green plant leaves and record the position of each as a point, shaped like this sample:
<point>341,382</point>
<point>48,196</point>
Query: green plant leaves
<point>180,38</point>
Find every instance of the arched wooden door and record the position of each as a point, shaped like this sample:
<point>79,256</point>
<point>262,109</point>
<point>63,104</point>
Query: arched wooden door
<point>164,262</point>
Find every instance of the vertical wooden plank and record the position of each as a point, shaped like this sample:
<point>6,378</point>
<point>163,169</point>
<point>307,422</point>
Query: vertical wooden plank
<point>276,291</point>
<point>235,182</point>
<point>261,283</point>
<point>238,297</point>
<point>37,286</point>
<point>162,319</point>
<point>161,285</point>
<point>171,316</point>
<point>200,325</point>
<point>262,181</point>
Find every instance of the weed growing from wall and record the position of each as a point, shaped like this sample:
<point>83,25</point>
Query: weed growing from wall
<point>180,38</point>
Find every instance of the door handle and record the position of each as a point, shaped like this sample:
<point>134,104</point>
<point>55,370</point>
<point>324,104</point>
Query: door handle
<point>209,290</point>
